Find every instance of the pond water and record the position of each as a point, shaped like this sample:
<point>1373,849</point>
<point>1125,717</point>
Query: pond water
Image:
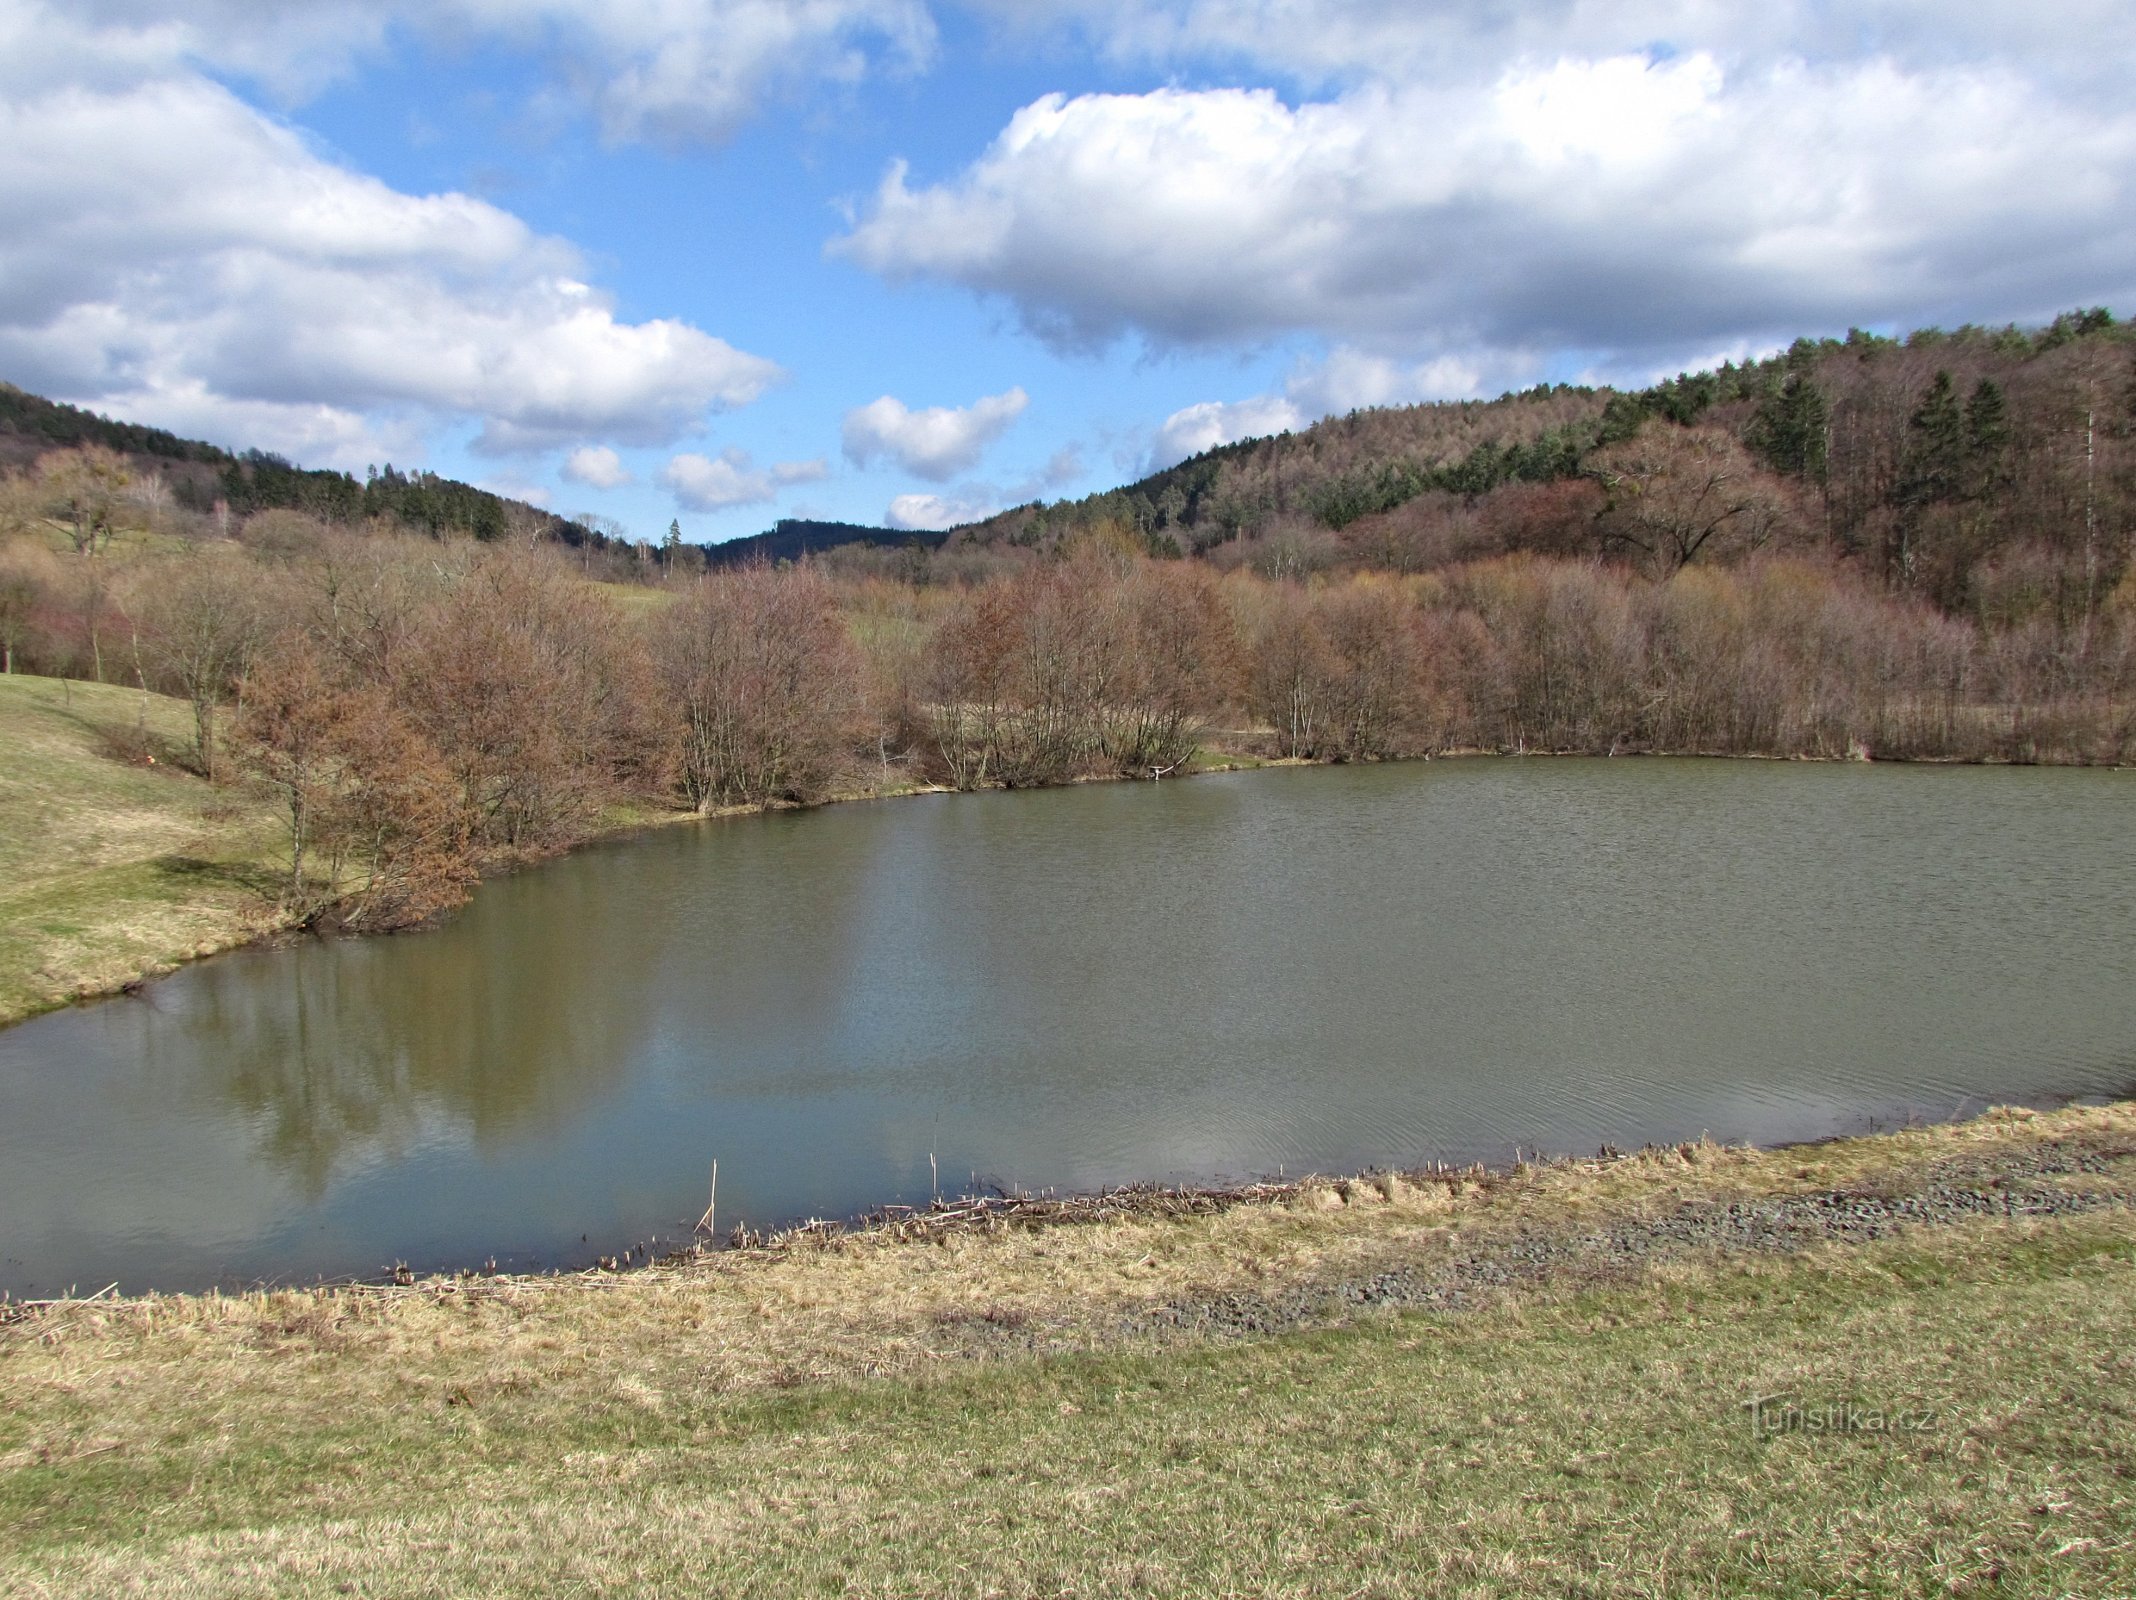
<point>1316,969</point>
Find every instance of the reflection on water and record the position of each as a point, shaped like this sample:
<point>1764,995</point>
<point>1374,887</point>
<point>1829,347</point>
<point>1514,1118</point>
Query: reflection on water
<point>353,1056</point>
<point>1298,969</point>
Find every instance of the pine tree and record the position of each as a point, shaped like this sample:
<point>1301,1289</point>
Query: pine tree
<point>1935,447</point>
<point>1792,428</point>
<point>1987,440</point>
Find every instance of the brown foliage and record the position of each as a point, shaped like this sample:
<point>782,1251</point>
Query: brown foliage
<point>81,490</point>
<point>377,836</point>
<point>1103,662</point>
<point>539,703</point>
<point>1291,664</point>
<point>764,685</point>
<point>25,584</point>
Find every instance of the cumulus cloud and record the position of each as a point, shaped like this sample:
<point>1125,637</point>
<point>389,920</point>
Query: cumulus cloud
<point>1192,429</point>
<point>937,443</point>
<point>172,254</point>
<point>1631,205</point>
<point>673,72</point>
<point>708,483</point>
<point>597,467</point>
<point>933,512</point>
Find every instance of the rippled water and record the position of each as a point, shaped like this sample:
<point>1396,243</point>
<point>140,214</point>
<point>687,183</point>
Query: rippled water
<point>1295,969</point>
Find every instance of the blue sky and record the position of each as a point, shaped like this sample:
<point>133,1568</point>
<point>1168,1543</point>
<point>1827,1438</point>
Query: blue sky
<point>910,260</point>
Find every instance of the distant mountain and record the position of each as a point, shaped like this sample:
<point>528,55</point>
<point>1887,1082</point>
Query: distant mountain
<point>791,538</point>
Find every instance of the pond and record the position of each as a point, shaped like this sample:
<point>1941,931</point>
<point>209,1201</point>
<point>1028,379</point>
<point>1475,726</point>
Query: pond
<point>1305,969</point>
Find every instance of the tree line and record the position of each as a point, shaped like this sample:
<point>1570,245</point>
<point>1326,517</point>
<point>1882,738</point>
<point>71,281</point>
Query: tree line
<point>422,711</point>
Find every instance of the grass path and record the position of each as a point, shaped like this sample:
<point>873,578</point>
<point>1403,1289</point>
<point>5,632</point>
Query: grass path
<point>981,1416</point>
<point>112,868</point>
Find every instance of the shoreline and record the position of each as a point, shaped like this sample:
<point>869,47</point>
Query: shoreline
<point>1432,1188</point>
<point>273,932</point>
<point>1901,1352</point>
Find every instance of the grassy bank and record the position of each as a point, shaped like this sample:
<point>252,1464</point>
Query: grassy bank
<point>1084,1409</point>
<point>114,862</point>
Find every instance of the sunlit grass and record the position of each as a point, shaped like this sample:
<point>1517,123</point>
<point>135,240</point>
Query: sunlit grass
<point>111,866</point>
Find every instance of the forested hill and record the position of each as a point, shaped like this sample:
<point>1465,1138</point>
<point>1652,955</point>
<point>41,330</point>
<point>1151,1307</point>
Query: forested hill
<point>208,480</point>
<point>1973,467</point>
<point>1956,462</point>
<point>792,538</point>
<point>31,424</point>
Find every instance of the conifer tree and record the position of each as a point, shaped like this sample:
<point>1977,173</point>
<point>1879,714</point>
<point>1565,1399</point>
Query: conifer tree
<point>1935,447</point>
<point>1987,440</point>
<point>1791,429</point>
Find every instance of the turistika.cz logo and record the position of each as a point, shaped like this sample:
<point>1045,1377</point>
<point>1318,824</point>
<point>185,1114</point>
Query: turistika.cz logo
<point>1774,1414</point>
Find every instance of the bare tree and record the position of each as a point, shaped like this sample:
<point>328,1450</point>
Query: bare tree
<point>1679,494</point>
<point>1180,664</point>
<point>1290,665</point>
<point>203,614</point>
<point>760,670</point>
<point>377,837</point>
<point>80,491</point>
<point>22,586</point>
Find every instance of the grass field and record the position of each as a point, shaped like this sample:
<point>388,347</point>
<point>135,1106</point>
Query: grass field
<point>110,867</point>
<point>1000,1414</point>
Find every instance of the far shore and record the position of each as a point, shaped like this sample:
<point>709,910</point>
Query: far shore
<point>112,956</point>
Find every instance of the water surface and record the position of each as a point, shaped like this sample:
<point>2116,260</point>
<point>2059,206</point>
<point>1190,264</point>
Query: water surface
<point>1302,969</point>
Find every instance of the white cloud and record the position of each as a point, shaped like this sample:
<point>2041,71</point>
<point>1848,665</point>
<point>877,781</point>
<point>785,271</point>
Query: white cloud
<point>936,511</point>
<point>673,72</point>
<point>515,489</point>
<point>936,443</point>
<point>706,483</point>
<point>703,483</point>
<point>597,467</point>
<point>1349,379</point>
<point>173,254</point>
<point>683,71</point>
<point>1625,205</point>
<point>1192,429</point>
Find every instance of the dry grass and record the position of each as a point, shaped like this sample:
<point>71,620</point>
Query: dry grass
<point>112,867</point>
<point>985,1413</point>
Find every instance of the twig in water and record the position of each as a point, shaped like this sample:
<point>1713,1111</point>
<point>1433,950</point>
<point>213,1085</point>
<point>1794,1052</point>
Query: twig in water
<point>704,1223</point>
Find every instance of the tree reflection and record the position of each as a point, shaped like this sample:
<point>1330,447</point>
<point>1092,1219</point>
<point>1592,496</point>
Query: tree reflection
<point>508,1022</point>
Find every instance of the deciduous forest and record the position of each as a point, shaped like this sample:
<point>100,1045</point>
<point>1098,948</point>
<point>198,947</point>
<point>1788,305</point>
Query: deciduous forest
<point>1892,549</point>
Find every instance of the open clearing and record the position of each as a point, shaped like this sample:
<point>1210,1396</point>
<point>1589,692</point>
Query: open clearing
<point>1155,1402</point>
<point>112,867</point>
